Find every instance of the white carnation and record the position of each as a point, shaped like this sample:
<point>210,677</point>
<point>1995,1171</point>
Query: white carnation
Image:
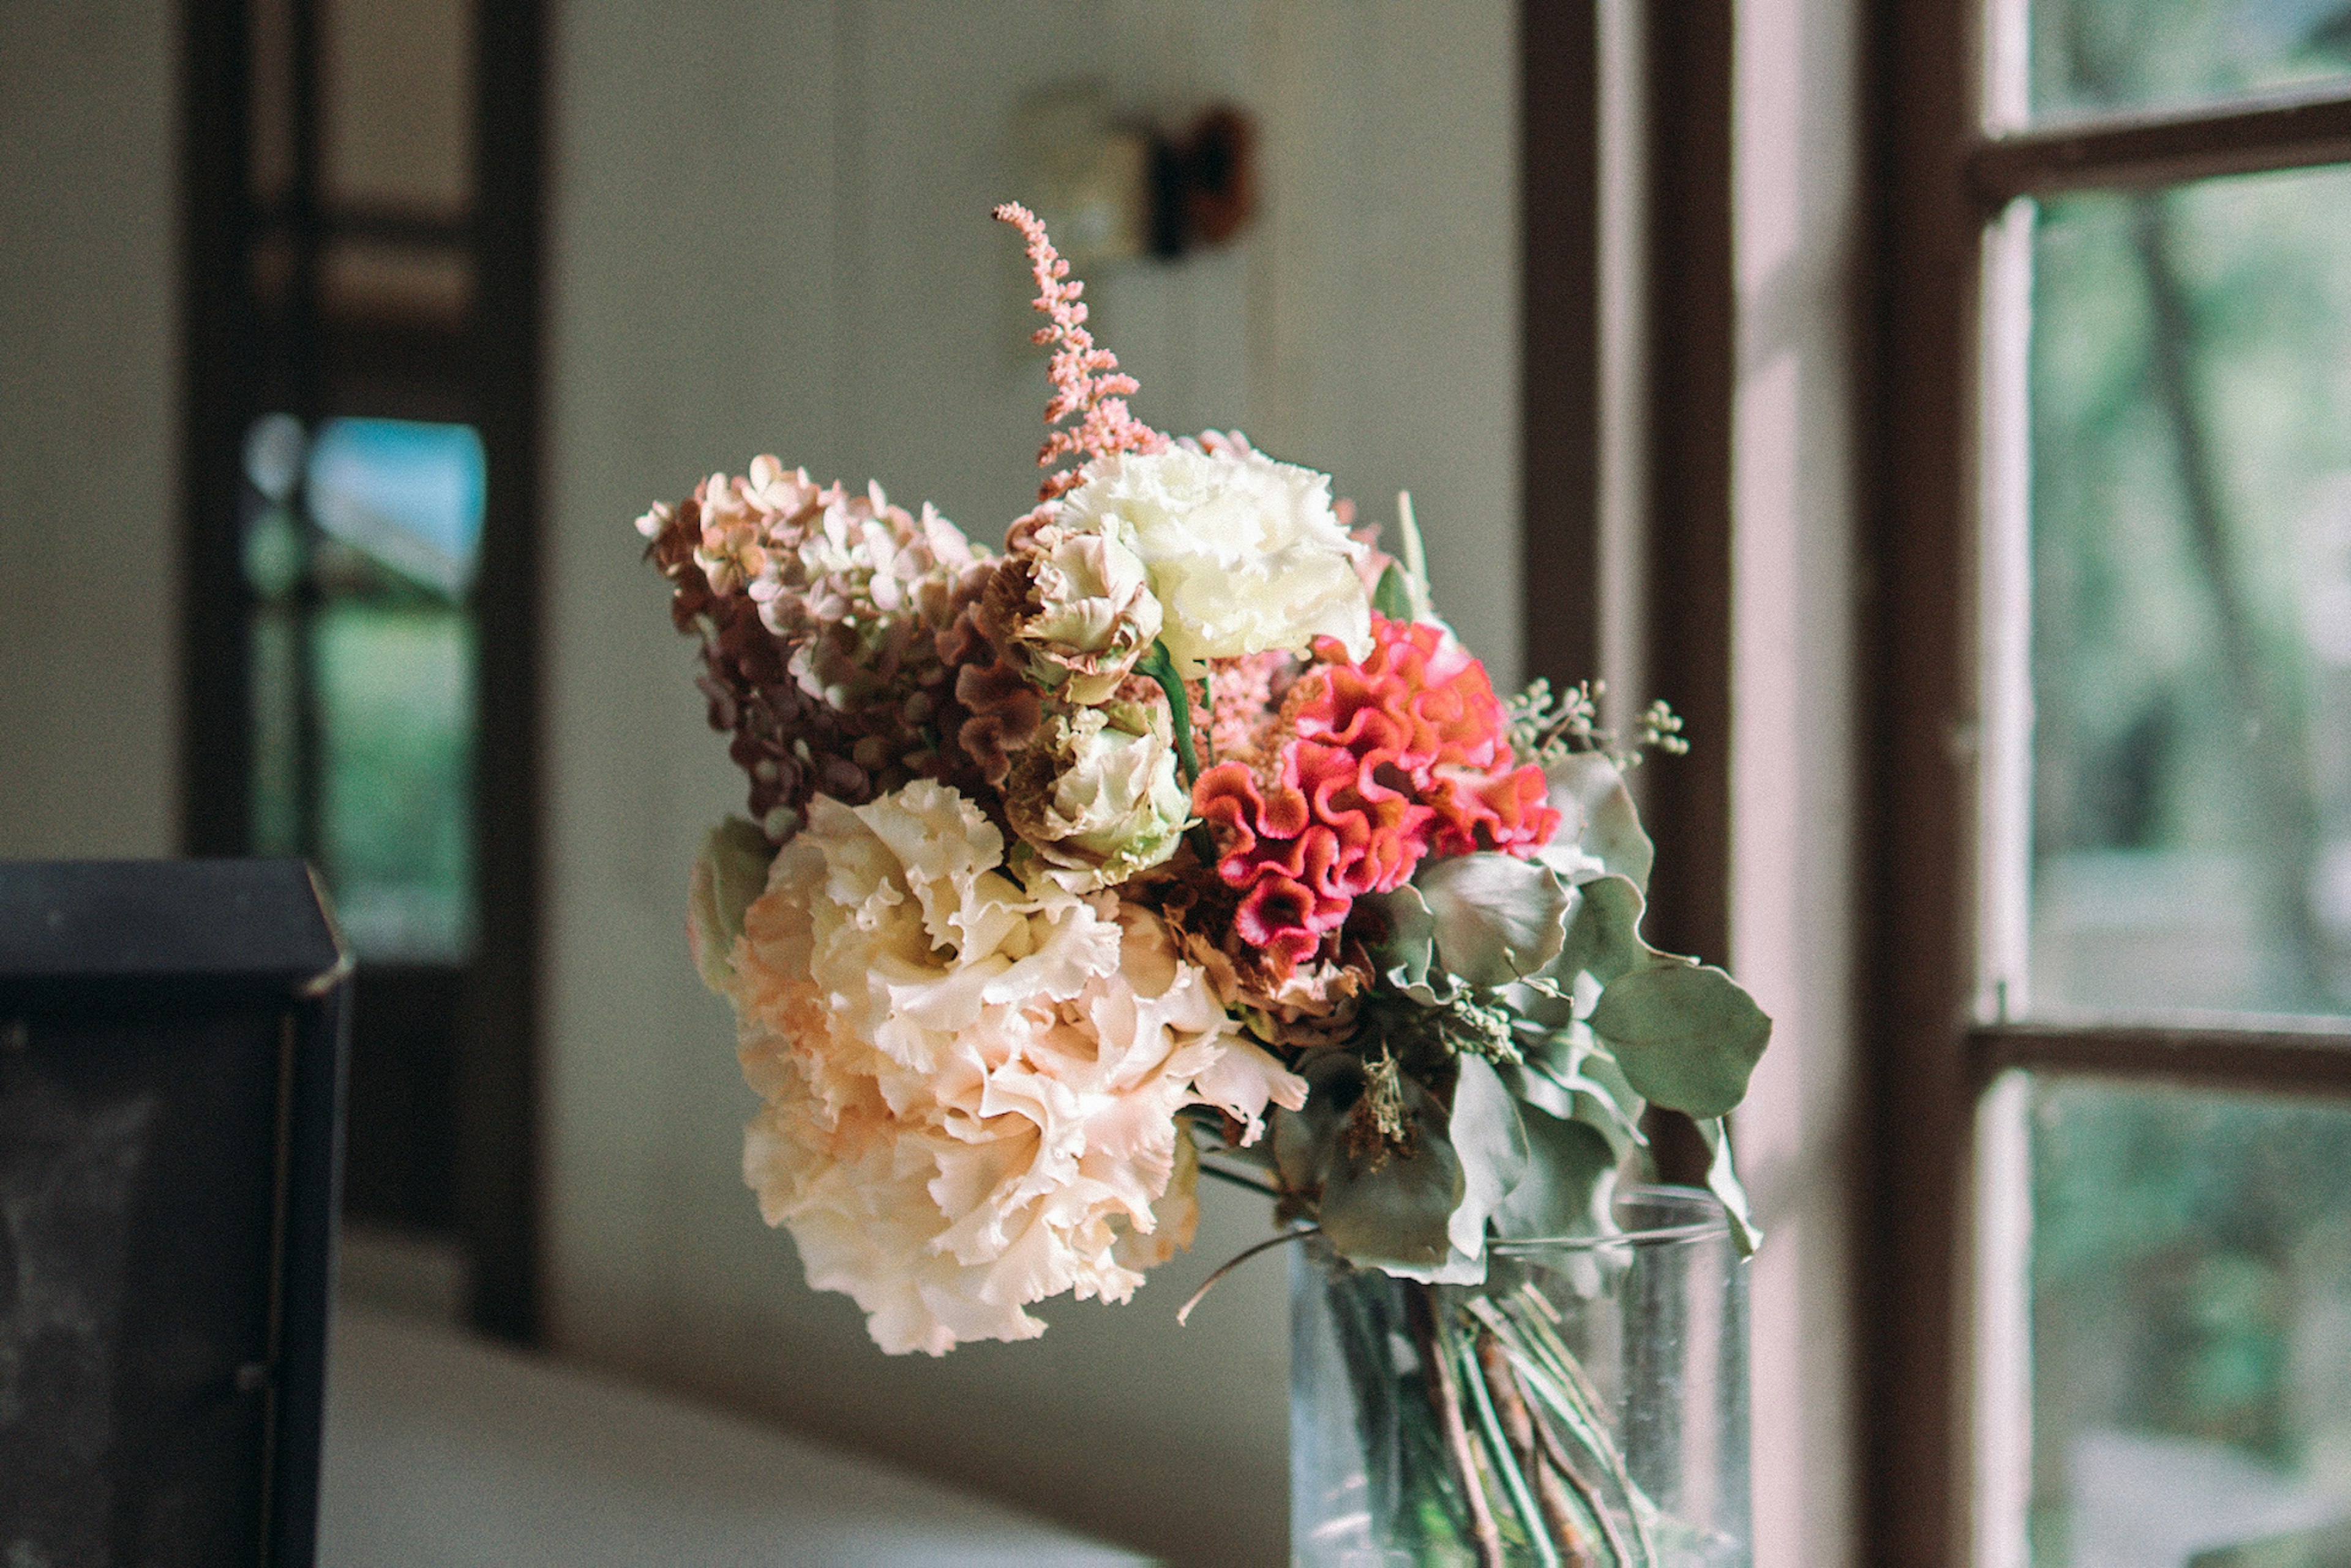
<point>1244,553</point>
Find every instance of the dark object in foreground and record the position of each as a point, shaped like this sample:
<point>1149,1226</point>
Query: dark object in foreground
<point>171,1044</point>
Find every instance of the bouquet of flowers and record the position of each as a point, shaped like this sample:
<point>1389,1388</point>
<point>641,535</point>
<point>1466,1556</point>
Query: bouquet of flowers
<point>1182,826</point>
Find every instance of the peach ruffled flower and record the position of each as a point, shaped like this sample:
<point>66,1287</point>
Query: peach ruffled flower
<point>970,1088</point>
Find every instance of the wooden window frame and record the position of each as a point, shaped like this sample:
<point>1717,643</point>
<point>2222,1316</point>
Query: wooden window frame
<point>1690,368</point>
<point>1937,180</point>
<point>463,1144</point>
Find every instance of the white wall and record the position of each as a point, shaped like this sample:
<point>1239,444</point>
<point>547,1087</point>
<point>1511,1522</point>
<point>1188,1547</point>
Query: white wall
<point>770,233</point>
<point>1795,583</point>
<point>88,523</point>
<point>1383,309</point>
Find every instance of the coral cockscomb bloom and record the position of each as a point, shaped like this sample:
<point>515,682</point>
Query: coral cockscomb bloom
<point>1401,756</point>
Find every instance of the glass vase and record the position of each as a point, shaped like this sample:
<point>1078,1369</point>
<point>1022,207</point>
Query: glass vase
<point>1585,1406</point>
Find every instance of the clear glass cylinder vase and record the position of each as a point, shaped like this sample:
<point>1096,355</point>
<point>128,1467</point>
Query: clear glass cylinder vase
<point>1585,1406</point>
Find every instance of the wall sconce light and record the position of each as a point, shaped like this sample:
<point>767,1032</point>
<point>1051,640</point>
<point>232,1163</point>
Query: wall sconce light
<point>1112,191</point>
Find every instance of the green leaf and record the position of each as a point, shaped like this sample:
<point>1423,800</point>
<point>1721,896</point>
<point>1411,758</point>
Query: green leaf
<point>1686,1034</point>
<point>1424,1216</point>
<point>730,871</point>
<point>1498,918</point>
<point>1392,597</point>
<point>1400,935</point>
<point>1303,1140</point>
<point>1608,1104</point>
<point>1722,1181</point>
<point>1486,1137</point>
<point>1570,1174</point>
<point>1598,816</point>
<point>1572,1078</point>
<point>1604,938</point>
<point>1384,1210</point>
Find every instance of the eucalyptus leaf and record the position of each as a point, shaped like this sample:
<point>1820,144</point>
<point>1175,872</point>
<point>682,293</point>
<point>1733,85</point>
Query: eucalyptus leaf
<point>1555,1061</point>
<point>1686,1034</point>
<point>1486,1137</point>
<point>1302,1141</point>
<point>1569,1075</point>
<point>1378,1207</point>
<point>1382,1209</point>
<point>1607,1104</point>
<point>1597,816</point>
<point>1722,1180</point>
<point>1399,933</point>
<point>1540,1006</point>
<point>1604,938</point>
<point>1539,1088</point>
<point>1498,918</point>
<point>1571,1172</point>
<point>728,875</point>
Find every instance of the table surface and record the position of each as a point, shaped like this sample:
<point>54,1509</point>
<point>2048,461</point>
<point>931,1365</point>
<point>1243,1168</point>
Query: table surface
<point>443,1451</point>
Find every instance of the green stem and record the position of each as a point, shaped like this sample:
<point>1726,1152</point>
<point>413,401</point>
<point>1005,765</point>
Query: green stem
<point>1544,1358</point>
<point>1446,1392</point>
<point>1160,668</point>
<point>1498,1448</point>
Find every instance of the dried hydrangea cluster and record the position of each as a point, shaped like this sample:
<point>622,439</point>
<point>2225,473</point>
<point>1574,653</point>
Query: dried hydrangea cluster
<point>1180,819</point>
<point>839,646</point>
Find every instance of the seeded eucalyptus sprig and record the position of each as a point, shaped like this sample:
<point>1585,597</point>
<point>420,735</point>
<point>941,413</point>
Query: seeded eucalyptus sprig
<point>1545,727</point>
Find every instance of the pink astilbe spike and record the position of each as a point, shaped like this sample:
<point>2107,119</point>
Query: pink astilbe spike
<point>1087,382</point>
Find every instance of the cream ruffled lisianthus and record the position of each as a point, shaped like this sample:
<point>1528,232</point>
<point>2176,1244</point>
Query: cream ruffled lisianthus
<point>970,1088</point>
<point>1097,802</point>
<point>1244,554</point>
<point>1074,606</point>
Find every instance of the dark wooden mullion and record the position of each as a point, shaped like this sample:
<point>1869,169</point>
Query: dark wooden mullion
<point>221,380</point>
<point>384,224</point>
<point>496,1072</point>
<point>2143,150</point>
<point>1692,346</point>
<point>1559,366</point>
<point>2315,1060</point>
<point>1915,1101</point>
<point>301,383</point>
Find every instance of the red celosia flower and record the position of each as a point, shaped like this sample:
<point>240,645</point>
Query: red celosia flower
<point>1403,755</point>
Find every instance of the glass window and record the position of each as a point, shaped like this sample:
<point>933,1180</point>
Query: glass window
<point>2092,57</point>
<point>2190,387</point>
<point>395,683</point>
<point>407,495</point>
<point>360,547</point>
<point>2190,1326</point>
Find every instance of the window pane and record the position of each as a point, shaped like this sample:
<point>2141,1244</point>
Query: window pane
<point>358,548</point>
<point>2191,1323</point>
<point>408,494</point>
<point>2191,515</point>
<point>395,687</point>
<point>2091,57</point>
<point>277,731</point>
